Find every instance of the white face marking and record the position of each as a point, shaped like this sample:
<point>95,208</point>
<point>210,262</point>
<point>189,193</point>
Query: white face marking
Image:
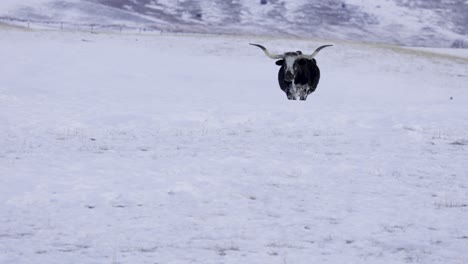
<point>289,61</point>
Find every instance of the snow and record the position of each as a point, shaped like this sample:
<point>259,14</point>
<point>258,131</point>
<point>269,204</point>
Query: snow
<point>412,23</point>
<point>183,149</point>
<point>401,21</point>
<point>391,14</point>
<point>10,5</point>
<point>444,51</point>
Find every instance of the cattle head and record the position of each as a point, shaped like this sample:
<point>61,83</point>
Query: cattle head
<point>292,64</point>
<point>295,68</point>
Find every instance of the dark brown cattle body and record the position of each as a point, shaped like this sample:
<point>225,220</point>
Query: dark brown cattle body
<point>299,74</point>
<point>307,78</point>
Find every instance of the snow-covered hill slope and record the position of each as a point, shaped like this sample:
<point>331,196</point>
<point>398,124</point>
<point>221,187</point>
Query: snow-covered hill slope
<point>432,23</point>
<point>171,149</point>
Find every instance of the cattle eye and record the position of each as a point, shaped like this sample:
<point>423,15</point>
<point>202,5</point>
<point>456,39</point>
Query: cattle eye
<point>301,62</point>
<point>280,62</point>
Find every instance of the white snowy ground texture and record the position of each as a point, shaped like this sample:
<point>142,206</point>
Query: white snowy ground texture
<point>183,149</point>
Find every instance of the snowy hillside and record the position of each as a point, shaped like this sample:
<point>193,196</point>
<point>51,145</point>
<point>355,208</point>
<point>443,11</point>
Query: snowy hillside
<point>431,23</point>
<point>171,149</point>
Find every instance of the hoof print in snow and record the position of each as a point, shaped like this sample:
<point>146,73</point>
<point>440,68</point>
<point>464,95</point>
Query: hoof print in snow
<point>223,251</point>
<point>461,142</point>
<point>148,250</point>
<point>394,228</point>
<point>119,206</point>
<point>23,235</point>
<point>92,139</point>
<point>90,206</point>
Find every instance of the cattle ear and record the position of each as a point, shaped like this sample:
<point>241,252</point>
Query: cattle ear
<point>279,62</point>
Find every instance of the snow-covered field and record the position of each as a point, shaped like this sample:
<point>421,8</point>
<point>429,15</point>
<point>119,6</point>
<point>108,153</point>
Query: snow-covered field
<point>183,149</point>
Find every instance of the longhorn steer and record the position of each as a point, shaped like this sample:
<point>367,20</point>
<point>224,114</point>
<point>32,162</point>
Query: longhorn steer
<point>299,74</point>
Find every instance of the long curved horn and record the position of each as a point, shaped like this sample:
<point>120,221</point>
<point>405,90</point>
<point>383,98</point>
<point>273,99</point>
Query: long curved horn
<point>273,56</point>
<point>315,52</point>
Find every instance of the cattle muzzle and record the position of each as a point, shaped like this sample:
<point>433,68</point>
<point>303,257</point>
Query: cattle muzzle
<point>288,76</point>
